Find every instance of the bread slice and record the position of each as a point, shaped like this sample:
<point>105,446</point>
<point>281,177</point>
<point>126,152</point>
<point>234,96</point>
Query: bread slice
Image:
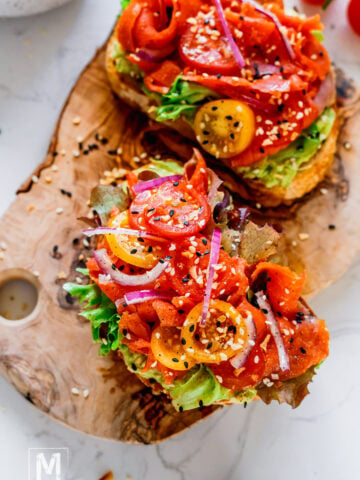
<point>127,89</point>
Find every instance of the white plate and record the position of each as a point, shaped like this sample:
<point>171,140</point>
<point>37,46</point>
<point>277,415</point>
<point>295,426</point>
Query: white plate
<point>19,8</point>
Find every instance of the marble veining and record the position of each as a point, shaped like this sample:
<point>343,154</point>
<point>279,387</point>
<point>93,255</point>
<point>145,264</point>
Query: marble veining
<point>40,58</point>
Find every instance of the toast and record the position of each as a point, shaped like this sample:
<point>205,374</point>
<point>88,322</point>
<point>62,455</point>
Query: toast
<point>127,89</point>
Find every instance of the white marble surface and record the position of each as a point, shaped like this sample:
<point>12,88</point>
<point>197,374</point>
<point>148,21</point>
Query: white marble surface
<point>40,58</point>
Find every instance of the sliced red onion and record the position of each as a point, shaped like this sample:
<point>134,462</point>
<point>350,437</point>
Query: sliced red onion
<point>155,182</point>
<point>326,93</point>
<point>214,257</point>
<point>243,215</point>
<point>275,331</point>
<point>150,55</point>
<point>141,296</point>
<point>235,49</point>
<point>103,260</point>
<point>239,360</point>
<point>278,25</point>
<point>89,232</point>
<point>215,183</point>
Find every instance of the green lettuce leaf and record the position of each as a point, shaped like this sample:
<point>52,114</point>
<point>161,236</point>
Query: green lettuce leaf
<point>291,391</point>
<point>104,197</point>
<point>124,4</point>
<point>319,35</point>
<point>198,387</point>
<point>123,65</point>
<point>101,313</point>
<point>281,168</point>
<point>184,99</point>
<point>161,168</point>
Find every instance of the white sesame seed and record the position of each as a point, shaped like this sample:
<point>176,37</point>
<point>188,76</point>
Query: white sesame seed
<point>59,210</point>
<point>75,391</point>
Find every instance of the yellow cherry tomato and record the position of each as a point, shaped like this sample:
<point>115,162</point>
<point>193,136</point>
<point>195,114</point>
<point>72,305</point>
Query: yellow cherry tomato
<point>132,250</point>
<point>225,128</point>
<point>167,347</point>
<point>224,335</point>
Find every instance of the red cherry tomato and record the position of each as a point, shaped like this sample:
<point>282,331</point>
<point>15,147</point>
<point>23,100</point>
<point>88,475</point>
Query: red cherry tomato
<point>353,13</point>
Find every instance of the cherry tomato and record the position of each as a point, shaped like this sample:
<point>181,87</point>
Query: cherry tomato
<point>353,13</point>
<point>224,334</point>
<point>225,128</point>
<point>173,210</point>
<point>210,55</point>
<point>167,347</point>
<point>132,250</point>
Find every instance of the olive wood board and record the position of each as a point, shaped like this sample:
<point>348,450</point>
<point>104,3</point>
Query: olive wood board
<point>51,353</point>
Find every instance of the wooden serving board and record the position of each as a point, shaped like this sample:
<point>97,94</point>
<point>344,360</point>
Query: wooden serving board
<point>52,352</point>
<point>50,357</point>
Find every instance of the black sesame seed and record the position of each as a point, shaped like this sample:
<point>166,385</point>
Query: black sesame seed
<point>181,311</point>
<point>151,209</point>
<point>186,364</point>
<point>204,241</point>
<point>205,142</point>
<point>186,223</point>
<point>183,341</point>
<point>229,117</point>
<point>175,360</point>
<point>176,184</point>
<point>134,212</point>
<point>157,219</point>
<point>331,227</point>
<point>152,380</point>
<point>236,124</point>
<point>218,324</point>
<point>291,340</point>
<point>182,199</point>
<point>141,240</point>
<point>181,409</point>
<point>161,260</point>
<point>185,280</point>
<point>124,332</point>
<point>264,310</point>
<point>206,132</point>
<point>172,213</point>
<point>197,337</point>
<point>113,266</point>
<point>302,350</point>
<point>209,345</point>
<point>150,249</point>
<point>133,251</point>
<point>198,254</point>
<point>232,136</point>
<point>262,150</point>
<point>134,367</point>
<point>201,403</point>
<point>214,108</point>
<point>218,75</point>
<point>191,328</point>
<point>121,268</point>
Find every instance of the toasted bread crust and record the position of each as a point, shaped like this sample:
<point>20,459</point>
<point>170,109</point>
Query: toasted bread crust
<point>306,180</point>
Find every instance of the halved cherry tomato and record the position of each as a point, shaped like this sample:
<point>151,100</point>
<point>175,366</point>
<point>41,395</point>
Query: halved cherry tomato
<point>173,210</point>
<point>248,376</point>
<point>224,334</point>
<point>213,55</point>
<point>167,347</point>
<point>353,14</point>
<point>283,288</point>
<point>225,128</point>
<point>132,250</point>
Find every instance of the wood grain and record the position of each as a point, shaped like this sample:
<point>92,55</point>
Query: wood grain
<point>53,353</point>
